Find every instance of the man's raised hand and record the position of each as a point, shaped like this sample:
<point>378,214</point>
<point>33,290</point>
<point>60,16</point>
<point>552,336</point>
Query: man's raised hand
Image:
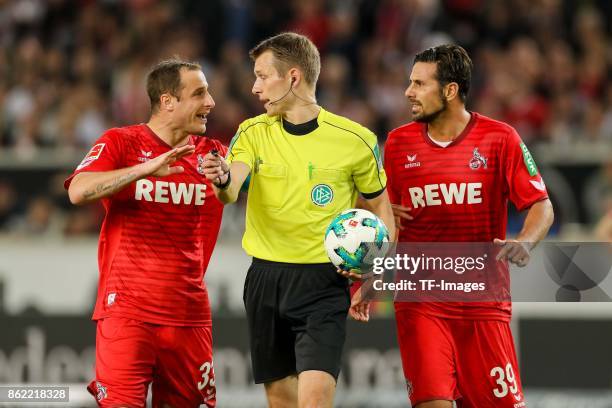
<point>161,166</point>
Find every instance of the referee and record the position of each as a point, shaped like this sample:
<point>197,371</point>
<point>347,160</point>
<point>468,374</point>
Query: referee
<point>306,166</point>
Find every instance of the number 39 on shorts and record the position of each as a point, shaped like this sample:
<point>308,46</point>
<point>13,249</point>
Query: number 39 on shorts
<point>208,376</point>
<point>505,382</point>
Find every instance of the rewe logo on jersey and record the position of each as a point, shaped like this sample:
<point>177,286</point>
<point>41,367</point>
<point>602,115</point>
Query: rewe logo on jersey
<point>453,193</point>
<point>167,191</point>
<point>411,161</point>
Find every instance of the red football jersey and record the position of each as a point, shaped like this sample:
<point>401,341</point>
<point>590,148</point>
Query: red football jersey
<point>158,233</point>
<point>459,193</point>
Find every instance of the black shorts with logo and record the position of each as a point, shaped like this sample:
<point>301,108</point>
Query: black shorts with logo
<point>297,318</point>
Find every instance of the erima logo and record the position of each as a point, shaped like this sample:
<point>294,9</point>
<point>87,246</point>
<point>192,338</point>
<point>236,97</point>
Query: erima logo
<point>539,184</point>
<point>145,156</point>
<point>165,192</point>
<point>411,162</point>
<point>111,298</point>
<point>438,194</point>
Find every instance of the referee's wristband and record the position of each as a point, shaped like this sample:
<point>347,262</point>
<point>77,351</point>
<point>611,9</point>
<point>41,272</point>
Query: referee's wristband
<point>225,185</point>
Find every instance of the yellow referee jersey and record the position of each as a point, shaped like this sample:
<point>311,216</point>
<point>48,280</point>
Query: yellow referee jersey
<point>299,183</point>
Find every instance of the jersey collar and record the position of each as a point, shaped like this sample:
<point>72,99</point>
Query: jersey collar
<point>160,141</point>
<point>303,129</point>
<point>458,139</point>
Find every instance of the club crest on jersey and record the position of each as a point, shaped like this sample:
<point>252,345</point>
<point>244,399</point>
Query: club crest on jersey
<point>321,195</point>
<point>200,164</point>
<point>145,156</point>
<point>477,160</point>
<point>411,161</point>
<point>101,391</point>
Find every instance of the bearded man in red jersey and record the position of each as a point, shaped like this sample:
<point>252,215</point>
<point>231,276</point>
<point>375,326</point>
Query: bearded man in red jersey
<point>450,175</point>
<point>162,221</point>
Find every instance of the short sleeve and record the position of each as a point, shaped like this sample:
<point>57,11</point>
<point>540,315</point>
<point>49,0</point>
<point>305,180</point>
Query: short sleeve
<point>105,155</point>
<point>368,172</point>
<point>394,194</point>
<point>524,182</point>
<point>241,149</point>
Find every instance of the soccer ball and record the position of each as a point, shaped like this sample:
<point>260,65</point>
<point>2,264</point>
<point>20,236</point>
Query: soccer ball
<point>354,238</point>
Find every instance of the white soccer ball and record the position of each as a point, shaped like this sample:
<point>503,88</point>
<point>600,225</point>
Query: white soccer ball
<point>354,238</point>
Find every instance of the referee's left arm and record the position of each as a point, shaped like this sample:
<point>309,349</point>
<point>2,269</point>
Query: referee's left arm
<point>228,189</point>
<point>225,179</point>
<point>381,206</point>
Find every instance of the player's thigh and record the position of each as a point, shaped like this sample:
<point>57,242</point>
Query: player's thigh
<point>427,352</point>
<point>125,357</point>
<point>185,375</point>
<point>487,366</point>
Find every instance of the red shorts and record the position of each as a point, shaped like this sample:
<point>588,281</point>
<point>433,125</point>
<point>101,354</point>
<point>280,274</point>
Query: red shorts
<point>131,354</point>
<point>472,362</point>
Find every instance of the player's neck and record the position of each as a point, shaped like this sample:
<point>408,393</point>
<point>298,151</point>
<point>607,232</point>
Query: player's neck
<point>301,114</point>
<point>449,125</point>
<point>169,134</point>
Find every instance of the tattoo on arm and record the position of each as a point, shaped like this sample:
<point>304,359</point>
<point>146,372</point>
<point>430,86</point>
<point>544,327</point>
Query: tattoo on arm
<point>105,189</point>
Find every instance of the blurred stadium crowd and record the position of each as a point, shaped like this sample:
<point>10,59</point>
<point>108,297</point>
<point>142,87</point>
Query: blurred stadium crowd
<point>71,69</point>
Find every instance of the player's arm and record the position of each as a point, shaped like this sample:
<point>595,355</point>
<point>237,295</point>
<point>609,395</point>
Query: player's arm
<point>526,190</point>
<point>537,223</point>
<point>399,212</point>
<point>381,206</point>
<point>87,187</point>
<point>227,179</point>
<point>361,291</point>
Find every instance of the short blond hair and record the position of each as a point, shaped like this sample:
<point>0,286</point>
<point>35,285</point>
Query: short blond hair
<point>292,49</point>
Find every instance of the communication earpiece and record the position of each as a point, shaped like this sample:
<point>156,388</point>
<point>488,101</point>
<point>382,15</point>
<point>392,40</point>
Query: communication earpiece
<point>290,90</point>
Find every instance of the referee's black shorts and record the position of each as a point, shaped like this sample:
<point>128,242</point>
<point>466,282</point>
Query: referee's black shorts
<point>297,318</point>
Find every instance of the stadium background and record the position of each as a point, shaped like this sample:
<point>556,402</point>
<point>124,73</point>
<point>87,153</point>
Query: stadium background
<point>71,69</point>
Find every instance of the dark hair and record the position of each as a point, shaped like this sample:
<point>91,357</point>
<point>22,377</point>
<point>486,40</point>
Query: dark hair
<point>165,77</point>
<point>291,49</point>
<point>453,65</point>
